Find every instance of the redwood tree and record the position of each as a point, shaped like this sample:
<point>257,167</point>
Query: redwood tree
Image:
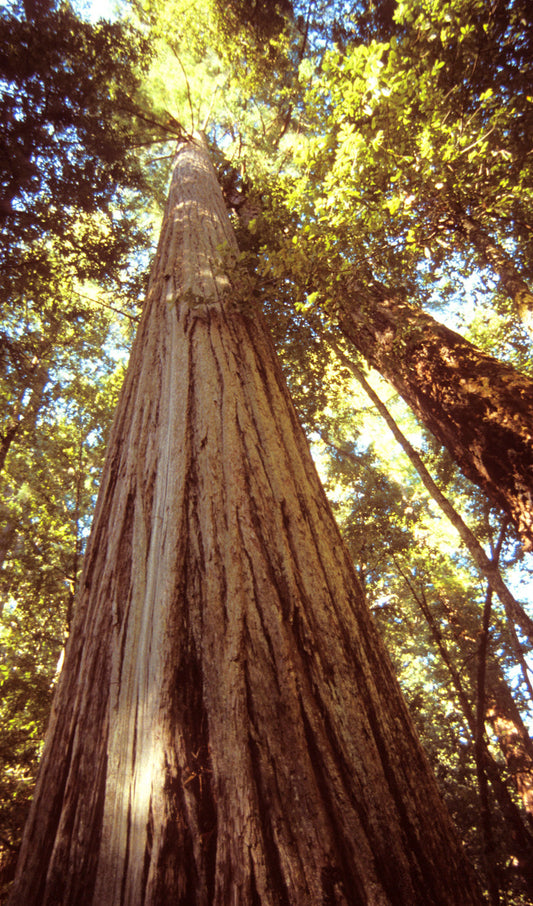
<point>227,728</point>
<point>479,408</point>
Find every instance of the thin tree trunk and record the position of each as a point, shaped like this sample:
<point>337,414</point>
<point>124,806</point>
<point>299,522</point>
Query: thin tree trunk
<point>480,748</point>
<point>227,728</point>
<point>518,833</point>
<point>514,610</point>
<point>503,265</point>
<point>19,419</point>
<point>503,714</point>
<point>480,409</point>
<point>501,711</point>
<point>24,417</point>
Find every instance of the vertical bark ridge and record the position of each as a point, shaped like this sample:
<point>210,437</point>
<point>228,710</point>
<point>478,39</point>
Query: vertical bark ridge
<point>515,743</point>
<point>224,682</point>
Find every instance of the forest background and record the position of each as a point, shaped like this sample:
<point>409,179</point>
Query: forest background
<point>363,144</point>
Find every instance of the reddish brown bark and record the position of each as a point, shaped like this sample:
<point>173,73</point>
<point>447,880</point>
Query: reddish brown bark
<point>479,408</point>
<point>516,746</point>
<point>227,728</point>
<point>496,705</point>
<point>514,610</point>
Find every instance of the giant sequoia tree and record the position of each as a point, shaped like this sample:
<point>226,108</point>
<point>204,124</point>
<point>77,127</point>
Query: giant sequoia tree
<point>227,728</point>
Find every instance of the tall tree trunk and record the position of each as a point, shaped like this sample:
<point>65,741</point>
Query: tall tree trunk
<point>514,610</point>
<point>481,409</point>
<point>487,769</point>
<point>227,728</point>
<point>517,747</point>
<point>511,281</point>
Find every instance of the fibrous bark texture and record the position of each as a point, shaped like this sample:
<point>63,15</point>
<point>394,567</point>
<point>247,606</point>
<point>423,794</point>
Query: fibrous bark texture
<point>227,728</point>
<point>479,408</point>
<point>513,738</point>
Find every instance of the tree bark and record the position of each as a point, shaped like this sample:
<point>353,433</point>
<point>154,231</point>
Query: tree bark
<point>227,728</point>
<point>511,739</point>
<point>479,408</point>
<point>514,610</point>
<point>502,713</point>
<point>516,745</point>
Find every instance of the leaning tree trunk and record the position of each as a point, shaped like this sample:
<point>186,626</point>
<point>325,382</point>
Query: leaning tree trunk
<point>227,728</point>
<point>513,738</point>
<point>491,253</point>
<point>481,409</point>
